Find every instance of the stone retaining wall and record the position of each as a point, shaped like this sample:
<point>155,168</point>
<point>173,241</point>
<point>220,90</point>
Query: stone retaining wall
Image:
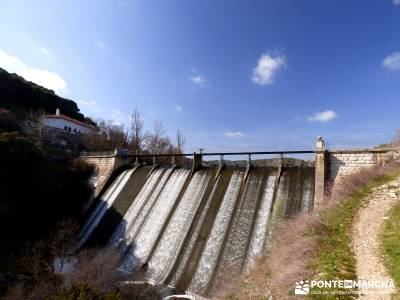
<point>331,166</point>
<point>346,162</point>
<point>104,166</point>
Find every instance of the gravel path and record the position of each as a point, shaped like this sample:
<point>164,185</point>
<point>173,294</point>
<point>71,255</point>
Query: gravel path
<point>366,243</point>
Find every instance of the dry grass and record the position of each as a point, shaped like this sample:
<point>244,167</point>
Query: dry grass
<point>288,260</point>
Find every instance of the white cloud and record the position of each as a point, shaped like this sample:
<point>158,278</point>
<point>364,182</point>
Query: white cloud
<point>396,2</point>
<point>101,44</point>
<point>323,116</point>
<point>197,79</point>
<point>178,108</point>
<point>46,52</point>
<point>116,112</point>
<point>392,62</point>
<point>266,68</point>
<point>234,134</point>
<point>41,77</point>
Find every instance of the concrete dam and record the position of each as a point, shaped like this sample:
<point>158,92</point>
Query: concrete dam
<point>190,231</point>
<point>193,228</point>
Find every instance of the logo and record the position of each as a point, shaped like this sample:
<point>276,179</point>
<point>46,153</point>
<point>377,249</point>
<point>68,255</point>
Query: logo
<point>343,287</point>
<point>302,287</point>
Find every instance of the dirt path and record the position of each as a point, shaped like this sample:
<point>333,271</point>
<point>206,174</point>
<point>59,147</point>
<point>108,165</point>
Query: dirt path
<point>366,243</point>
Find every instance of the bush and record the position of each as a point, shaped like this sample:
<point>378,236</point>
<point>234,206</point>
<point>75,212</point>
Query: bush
<point>86,292</point>
<point>8,121</point>
<point>37,193</point>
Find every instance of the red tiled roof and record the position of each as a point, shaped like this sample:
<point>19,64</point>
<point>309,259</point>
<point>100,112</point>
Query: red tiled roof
<point>64,117</point>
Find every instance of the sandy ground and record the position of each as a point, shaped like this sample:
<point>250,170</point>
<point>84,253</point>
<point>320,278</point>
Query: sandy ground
<point>366,243</point>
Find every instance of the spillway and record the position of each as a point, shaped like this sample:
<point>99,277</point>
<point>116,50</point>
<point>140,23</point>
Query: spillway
<point>192,231</point>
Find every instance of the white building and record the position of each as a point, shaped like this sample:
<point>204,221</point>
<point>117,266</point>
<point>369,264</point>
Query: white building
<point>65,123</point>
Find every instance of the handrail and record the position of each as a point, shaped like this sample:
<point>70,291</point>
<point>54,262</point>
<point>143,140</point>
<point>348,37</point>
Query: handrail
<point>221,153</point>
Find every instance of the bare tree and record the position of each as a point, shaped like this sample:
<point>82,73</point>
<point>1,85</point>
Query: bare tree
<point>156,141</point>
<point>137,135</point>
<point>180,142</point>
<point>106,137</point>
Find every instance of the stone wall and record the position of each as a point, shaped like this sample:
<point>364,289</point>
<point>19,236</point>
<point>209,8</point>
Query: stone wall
<point>104,166</point>
<point>346,162</point>
<point>331,166</point>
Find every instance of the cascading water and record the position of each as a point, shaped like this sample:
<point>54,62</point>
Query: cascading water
<point>171,241</point>
<point>260,233</point>
<point>188,230</point>
<point>132,217</point>
<point>103,204</point>
<point>209,258</point>
<point>143,244</point>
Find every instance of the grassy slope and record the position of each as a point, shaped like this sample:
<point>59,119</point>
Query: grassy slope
<point>391,244</point>
<point>335,258</point>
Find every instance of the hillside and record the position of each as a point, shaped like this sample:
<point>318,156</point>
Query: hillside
<point>21,97</point>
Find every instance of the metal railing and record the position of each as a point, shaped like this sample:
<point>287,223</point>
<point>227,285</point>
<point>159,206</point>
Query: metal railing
<point>221,153</point>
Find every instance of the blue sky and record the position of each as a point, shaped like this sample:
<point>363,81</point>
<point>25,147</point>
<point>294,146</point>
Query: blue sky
<point>233,75</point>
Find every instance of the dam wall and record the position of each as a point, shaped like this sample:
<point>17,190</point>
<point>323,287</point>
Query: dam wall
<point>191,230</point>
<point>331,166</point>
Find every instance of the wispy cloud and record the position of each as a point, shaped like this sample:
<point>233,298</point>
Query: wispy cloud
<point>92,107</point>
<point>116,112</point>
<point>396,2</point>
<point>99,110</point>
<point>267,67</point>
<point>178,108</point>
<point>392,62</point>
<point>234,134</point>
<point>197,79</point>
<point>323,116</point>
<point>101,44</point>
<point>41,77</point>
<point>46,52</point>
<point>90,103</point>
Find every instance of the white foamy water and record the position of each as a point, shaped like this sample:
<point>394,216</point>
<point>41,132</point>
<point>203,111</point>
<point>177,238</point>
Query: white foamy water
<point>236,248</point>
<point>101,208</point>
<point>191,235</point>
<point>136,226</point>
<point>175,233</point>
<point>118,238</point>
<point>150,231</point>
<point>306,206</point>
<point>261,226</point>
<point>186,257</point>
<point>209,257</point>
